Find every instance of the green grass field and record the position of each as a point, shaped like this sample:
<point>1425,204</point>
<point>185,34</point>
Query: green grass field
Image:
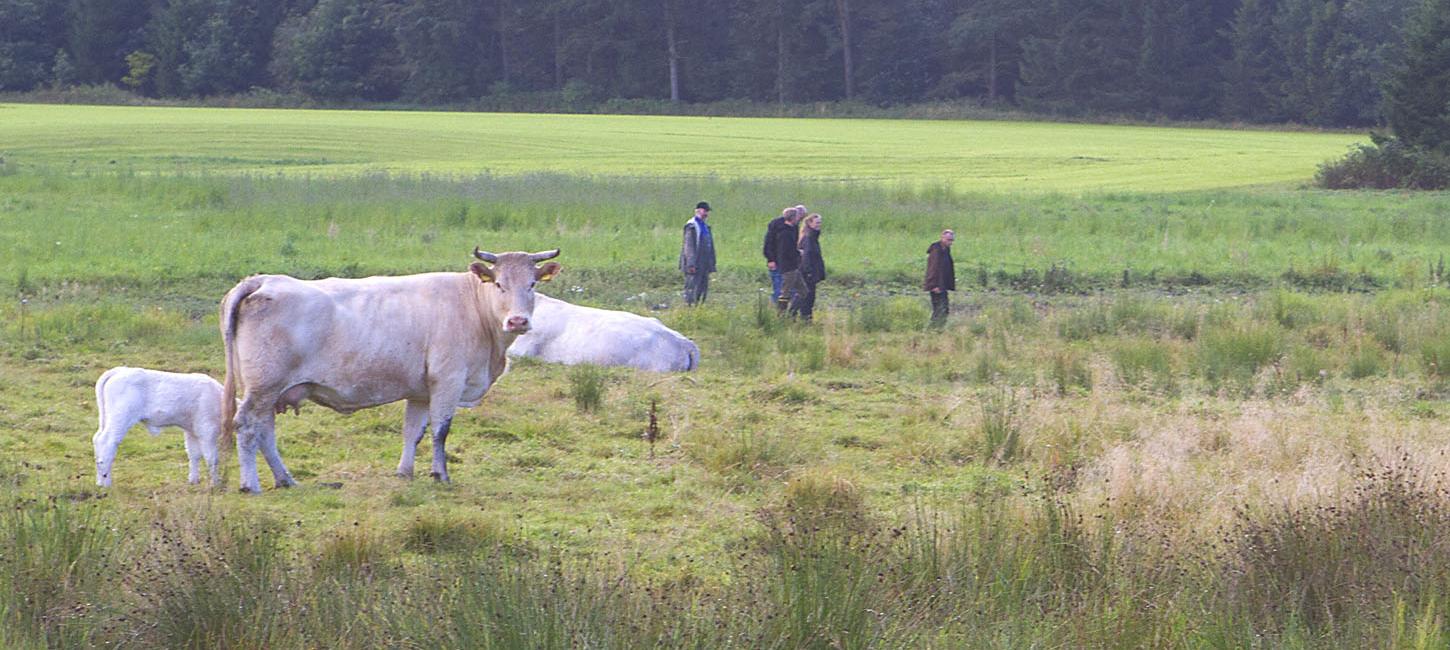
<point>964,156</point>
<point>1241,444</point>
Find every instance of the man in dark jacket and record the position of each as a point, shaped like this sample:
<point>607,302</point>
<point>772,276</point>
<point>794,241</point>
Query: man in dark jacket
<point>780,246</point>
<point>768,247</point>
<point>697,255</point>
<point>941,276</point>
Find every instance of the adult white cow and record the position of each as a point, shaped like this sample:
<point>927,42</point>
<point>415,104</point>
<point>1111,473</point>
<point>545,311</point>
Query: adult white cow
<point>127,396</point>
<point>436,340</point>
<point>572,334</point>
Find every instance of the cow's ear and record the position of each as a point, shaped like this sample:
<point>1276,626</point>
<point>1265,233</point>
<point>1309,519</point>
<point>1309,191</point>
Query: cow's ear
<point>481,270</point>
<point>547,272</point>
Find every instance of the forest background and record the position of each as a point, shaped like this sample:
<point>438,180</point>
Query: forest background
<point>1312,62</point>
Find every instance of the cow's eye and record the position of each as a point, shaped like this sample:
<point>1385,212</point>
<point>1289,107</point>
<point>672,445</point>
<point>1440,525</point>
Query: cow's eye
<point>500,287</point>
<point>533,284</point>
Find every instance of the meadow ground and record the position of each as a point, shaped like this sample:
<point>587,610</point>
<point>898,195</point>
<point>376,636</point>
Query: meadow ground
<point>958,155</point>
<point>1239,443</point>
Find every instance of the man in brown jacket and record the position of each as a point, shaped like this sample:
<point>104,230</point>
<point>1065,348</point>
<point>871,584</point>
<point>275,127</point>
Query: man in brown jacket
<point>941,276</point>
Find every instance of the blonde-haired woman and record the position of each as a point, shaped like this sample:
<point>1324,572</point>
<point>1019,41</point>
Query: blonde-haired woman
<point>813,267</point>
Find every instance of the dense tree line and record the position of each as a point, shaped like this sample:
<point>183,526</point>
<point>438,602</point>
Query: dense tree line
<point>1319,62</point>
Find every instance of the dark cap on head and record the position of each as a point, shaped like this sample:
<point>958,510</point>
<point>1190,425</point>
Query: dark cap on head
<point>702,206</point>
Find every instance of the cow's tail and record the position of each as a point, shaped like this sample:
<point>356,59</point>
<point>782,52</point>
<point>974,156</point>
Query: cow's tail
<point>692,357</point>
<point>101,396</point>
<point>229,343</point>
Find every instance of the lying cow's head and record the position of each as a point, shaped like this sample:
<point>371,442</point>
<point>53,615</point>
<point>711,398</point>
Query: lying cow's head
<point>514,276</point>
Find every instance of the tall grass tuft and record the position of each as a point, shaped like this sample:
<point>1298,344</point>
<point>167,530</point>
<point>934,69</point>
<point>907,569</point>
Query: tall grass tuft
<point>57,563</point>
<point>1231,355</point>
<point>999,429</point>
<point>899,314</point>
<point>217,582</point>
<point>431,533</point>
<point>1328,563</point>
<point>827,498</point>
<point>1142,361</point>
<point>1070,371</point>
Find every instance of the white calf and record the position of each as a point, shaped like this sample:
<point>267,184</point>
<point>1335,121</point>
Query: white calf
<point>126,396</point>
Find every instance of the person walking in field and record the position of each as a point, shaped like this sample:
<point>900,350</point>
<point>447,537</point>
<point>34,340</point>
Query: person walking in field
<point>697,255</point>
<point>813,268</point>
<point>941,276</point>
<point>781,252</point>
<point>768,247</point>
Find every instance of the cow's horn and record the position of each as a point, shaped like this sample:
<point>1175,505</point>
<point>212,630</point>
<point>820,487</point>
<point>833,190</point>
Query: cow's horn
<point>546,255</point>
<point>487,257</point>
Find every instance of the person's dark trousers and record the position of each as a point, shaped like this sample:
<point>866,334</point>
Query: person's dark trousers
<point>804,305</point>
<point>940,307</point>
<point>792,283</point>
<point>697,287</point>
<point>775,280</point>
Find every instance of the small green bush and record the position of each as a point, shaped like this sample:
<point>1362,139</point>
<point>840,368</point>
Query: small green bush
<point>1386,164</point>
<point>1366,360</point>
<point>587,386</point>
<point>1435,357</point>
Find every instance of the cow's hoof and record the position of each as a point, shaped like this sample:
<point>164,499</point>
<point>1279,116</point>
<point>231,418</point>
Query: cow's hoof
<point>285,483</point>
<point>247,490</point>
<point>406,476</point>
<point>441,478</point>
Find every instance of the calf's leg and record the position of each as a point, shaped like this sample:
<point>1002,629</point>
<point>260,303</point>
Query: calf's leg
<point>193,457</point>
<point>106,441</point>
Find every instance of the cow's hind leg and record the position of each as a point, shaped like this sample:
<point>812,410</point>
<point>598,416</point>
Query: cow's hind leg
<point>280,476</point>
<point>415,422</point>
<point>254,417</point>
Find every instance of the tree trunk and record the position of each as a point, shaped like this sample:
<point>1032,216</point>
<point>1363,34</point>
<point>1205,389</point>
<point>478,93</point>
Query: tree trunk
<point>558,53</point>
<point>504,56</point>
<point>992,69</point>
<point>843,19</point>
<point>780,52</point>
<point>674,52</point>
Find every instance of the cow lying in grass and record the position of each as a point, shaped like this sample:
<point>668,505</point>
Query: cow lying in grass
<point>127,396</point>
<point>571,334</point>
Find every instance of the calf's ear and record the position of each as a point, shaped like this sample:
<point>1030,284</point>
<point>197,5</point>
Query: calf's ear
<point>547,272</point>
<point>481,270</point>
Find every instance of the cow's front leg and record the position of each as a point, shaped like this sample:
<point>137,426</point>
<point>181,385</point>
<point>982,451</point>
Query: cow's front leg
<point>415,422</point>
<point>442,419</point>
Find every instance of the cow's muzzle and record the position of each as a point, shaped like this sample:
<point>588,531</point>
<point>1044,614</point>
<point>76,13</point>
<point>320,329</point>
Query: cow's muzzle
<point>516,324</point>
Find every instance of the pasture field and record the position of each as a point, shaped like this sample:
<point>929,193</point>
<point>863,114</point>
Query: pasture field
<point>959,155</point>
<point>1242,443</point>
